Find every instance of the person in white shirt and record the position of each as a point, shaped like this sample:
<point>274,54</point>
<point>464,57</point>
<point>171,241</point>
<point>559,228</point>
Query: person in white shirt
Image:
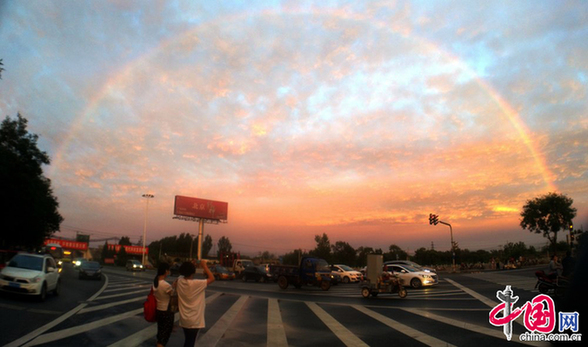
<point>191,299</point>
<point>162,292</point>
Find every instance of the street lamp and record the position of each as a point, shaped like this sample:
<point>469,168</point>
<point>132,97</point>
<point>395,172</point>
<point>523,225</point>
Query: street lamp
<point>147,197</point>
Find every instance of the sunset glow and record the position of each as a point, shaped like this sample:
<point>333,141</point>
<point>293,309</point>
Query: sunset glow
<point>356,120</point>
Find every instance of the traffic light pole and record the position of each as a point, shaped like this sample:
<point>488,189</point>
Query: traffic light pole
<point>452,244</point>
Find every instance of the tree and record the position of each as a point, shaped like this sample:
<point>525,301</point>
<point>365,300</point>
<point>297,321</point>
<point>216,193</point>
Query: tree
<point>343,253</point>
<point>1,68</point>
<point>323,248</point>
<point>362,253</point>
<point>29,213</point>
<point>206,246</point>
<point>224,245</point>
<point>395,253</point>
<point>122,256</point>
<point>125,241</point>
<point>548,214</point>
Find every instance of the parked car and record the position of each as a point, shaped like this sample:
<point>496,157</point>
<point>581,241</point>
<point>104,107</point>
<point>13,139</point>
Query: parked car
<point>31,274</point>
<point>256,273</point>
<point>134,265</point>
<point>90,269</point>
<point>221,273</point>
<point>348,275</point>
<point>414,277</point>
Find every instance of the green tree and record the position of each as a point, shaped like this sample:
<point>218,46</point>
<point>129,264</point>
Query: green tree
<point>548,214</point>
<point>122,256</point>
<point>343,253</point>
<point>206,246</point>
<point>362,253</point>
<point>125,241</point>
<point>224,245</point>
<point>323,247</point>
<point>395,253</point>
<point>1,68</point>
<point>29,214</point>
<point>293,258</point>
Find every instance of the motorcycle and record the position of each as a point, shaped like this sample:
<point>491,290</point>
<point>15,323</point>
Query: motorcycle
<point>551,284</point>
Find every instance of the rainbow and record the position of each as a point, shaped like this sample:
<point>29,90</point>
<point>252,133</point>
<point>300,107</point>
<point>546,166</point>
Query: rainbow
<point>119,77</point>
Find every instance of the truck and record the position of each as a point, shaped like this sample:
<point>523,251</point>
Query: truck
<point>233,262</point>
<point>310,272</point>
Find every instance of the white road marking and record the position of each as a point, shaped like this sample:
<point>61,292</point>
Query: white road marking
<point>346,336</point>
<point>57,321</point>
<point>276,335</point>
<point>61,334</point>
<point>405,329</point>
<point>216,332</point>
<point>112,304</point>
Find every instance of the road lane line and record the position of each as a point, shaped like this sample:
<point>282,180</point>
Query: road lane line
<point>464,325</point>
<point>490,303</point>
<point>151,331</point>
<point>124,294</point>
<point>35,333</point>
<point>404,329</point>
<point>276,335</point>
<point>61,334</point>
<point>127,287</point>
<point>341,332</point>
<point>112,304</point>
<point>480,297</point>
<point>216,332</point>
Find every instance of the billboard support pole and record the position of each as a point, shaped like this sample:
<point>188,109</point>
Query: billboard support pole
<point>200,235</point>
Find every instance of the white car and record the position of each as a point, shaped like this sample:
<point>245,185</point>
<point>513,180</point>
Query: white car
<point>346,273</point>
<point>414,277</point>
<point>31,274</point>
<point>409,263</point>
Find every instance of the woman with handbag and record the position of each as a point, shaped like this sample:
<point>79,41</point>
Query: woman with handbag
<point>165,317</point>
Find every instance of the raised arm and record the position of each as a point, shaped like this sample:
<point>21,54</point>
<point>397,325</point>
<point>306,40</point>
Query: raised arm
<point>209,275</point>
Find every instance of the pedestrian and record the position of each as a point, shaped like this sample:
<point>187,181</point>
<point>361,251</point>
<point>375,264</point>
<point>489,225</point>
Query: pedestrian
<point>568,263</point>
<point>192,302</point>
<point>554,268</point>
<point>165,318</point>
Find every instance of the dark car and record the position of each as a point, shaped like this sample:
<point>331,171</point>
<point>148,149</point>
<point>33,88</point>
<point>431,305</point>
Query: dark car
<point>90,269</point>
<point>256,273</point>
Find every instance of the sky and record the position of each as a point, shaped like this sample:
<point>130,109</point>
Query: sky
<point>351,118</point>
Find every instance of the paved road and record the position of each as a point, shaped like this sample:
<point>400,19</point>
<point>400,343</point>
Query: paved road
<point>455,312</point>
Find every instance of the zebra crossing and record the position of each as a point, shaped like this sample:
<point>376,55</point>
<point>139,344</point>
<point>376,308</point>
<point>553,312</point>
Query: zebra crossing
<point>270,317</point>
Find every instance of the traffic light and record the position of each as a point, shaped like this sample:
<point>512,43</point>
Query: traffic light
<point>433,219</point>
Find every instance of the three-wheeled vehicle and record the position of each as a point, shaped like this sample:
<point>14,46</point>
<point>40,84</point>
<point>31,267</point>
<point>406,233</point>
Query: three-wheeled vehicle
<point>378,281</point>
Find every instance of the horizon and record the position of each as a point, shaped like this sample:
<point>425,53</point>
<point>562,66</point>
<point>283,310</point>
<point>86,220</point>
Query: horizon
<point>356,120</point>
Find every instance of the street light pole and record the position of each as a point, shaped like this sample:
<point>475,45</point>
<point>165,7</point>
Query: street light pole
<point>147,197</point>
<point>452,244</point>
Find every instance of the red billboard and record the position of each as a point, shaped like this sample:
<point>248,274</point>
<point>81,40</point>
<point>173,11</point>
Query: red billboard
<point>200,208</point>
<point>129,249</point>
<point>82,246</point>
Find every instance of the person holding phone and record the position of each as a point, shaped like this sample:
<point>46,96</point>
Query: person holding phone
<point>191,299</point>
